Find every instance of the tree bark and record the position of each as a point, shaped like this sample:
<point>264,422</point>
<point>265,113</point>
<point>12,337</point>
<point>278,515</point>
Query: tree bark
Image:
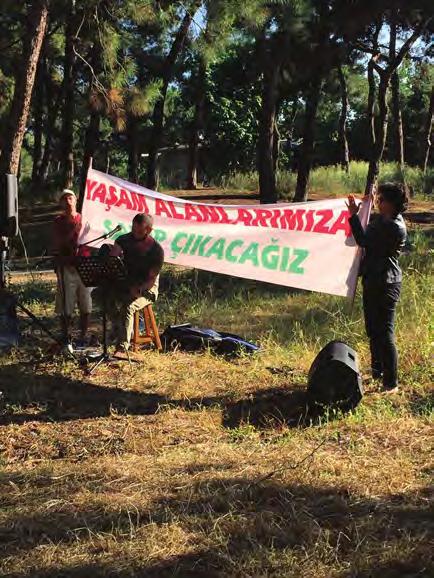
<point>371,103</point>
<point>307,147</point>
<point>343,140</point>
<point>133,150</point>
<point>276,140</point>
<point>92,132</point>
<point>36,28</point>
<point>197,125</point>
<point>398,128</point>
<point>67,151</point>
<point>428,133</point>
<point>291,130</point>
<point>380,136</point>
<point>158,114</point>
<point>49,129</point>
<point>90,143</point>
<point>380,130</point>
<point>38,121</point>
<point>372,93</point>
<point>266,163</point>
<point>398,132</point>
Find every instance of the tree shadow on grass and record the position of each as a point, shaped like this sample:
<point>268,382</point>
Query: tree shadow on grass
<point>271,408</point>
<point>29,396</point>
<point>422,404</point>
<point>239,527</point>
<point>55,397</point>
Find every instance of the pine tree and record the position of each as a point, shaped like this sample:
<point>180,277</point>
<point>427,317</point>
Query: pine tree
<point>37,19</point>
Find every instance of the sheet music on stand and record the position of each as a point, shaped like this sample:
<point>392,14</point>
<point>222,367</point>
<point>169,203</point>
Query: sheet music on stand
<point>101,271</point>
<point>98,270</point>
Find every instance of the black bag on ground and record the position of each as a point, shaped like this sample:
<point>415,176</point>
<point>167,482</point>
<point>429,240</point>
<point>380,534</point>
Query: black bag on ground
<point>189,338</point>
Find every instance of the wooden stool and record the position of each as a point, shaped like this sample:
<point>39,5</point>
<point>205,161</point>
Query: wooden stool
<point>151,334</point>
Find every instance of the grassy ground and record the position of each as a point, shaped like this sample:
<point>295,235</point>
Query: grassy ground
<point>190,465</point>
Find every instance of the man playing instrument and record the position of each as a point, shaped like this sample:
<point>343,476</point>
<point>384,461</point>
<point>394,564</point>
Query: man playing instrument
<point>143,258</point>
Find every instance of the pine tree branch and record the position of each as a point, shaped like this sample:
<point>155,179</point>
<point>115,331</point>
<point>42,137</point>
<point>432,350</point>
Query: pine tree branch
<point>380,71</point>
<point>406,47</point>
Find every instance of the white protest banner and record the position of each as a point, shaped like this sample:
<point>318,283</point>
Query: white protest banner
<point>303,245</point>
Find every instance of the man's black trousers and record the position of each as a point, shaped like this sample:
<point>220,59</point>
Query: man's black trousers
<point>379,304</point>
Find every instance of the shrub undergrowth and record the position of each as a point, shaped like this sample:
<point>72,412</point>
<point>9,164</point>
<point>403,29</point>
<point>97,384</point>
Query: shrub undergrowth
<point>333,180</point>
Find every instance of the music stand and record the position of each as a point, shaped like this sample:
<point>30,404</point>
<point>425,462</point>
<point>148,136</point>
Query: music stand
<point>101,272</point>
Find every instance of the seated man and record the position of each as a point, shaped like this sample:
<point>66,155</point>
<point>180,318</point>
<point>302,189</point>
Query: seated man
<point>143,259</point>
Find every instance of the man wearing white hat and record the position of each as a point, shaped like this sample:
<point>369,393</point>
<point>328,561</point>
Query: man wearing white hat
<point>70,288</point>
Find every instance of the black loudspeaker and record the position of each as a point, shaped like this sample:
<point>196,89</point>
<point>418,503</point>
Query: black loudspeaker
<point>8,206</point>
<point>334,380</point>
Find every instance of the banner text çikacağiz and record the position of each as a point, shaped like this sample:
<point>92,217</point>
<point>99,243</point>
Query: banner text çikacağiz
<point>302,245</point>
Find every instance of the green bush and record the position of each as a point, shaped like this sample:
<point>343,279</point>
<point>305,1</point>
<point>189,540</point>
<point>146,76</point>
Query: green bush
<point>332,180</point>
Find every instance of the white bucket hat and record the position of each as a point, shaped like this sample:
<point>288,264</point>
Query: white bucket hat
<point>66,192</point>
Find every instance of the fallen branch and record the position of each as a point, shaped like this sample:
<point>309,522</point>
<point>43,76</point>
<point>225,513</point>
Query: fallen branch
<point>291,466</point>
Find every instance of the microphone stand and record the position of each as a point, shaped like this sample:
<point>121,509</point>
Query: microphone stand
<point>102,237</point>
<point>62,280</point>
<point>14,303</point>
<point>45,258</point>
<point>104,357</point>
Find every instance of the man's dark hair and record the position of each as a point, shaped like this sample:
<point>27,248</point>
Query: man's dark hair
<point>396,194</point>
<point>143,218</point>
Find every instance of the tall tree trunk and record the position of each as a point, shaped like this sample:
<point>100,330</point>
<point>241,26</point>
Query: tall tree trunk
<point>38,121</point>
<point>372,92</point>
<point>133,150</point>
<point>197,125</point>
<point>428,133</point>
<point>343,140</point>
<point>106,157</point>
<point>385,75</point>
<point>36,28</point>
<point>266,164</point>
<point>291,130</point>
<point>90,143</point>
<point>49,130</point>
<point>67,152</point>
<point>276,140</point>
<point>307,147</point>
<point>380,136</point>
<point>398,133</point>
<point>158,114</point>
<point>371,104</point>
<point>92,132</point>
<point>292,118</point>
<point>398,128</point>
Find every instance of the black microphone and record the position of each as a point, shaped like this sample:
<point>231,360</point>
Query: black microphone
<point>114,231</point>
<point>105,236</point>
